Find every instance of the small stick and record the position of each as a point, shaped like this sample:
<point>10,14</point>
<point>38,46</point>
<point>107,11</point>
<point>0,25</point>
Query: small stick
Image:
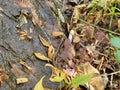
<point>54,57</point>
<point>106,30</point>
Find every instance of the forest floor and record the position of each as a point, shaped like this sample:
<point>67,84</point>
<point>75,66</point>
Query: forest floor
<point>60,45</point>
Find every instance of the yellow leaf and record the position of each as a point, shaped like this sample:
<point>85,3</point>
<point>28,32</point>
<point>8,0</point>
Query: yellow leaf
<point>118,23</point>
<point>51,52</point>
<point>21,80</point>
<point>39,85</point>
<point>75,15</point>
<point>57,75</point>
<point>57,34</point>
<point>44,42</point>
<point>76,12</point>
<point>41,56</point>
<point>26,65</point>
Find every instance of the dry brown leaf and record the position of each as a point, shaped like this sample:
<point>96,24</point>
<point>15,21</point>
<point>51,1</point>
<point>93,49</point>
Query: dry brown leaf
<point>41,56</point>
<point>21,80</point>
<point>96,83</point>
<point>76,39</point>
<point>29,37</point>
<point>3,75</point>
<point>22,37</point>
<point>91,49</point>
<point>26,65</point>
<point>57,34</point>
<point>44,42</point>
<point>22,32</point>
<point>51,52</point>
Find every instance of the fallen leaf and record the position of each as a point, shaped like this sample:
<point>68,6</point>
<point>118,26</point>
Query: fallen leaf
<point>31,30</point>
<point>118,23</point>
<point>41,56</point>
<point>26,65</point>
<point>57,34</point>
<point>51,52</point>
<point>57,75</point>
<point>22,37</point>
<point>76,13</point>
<point>81,79</point>
<point>22,33</point>
<point>21,80</point>
<point>76,39</point>
<point>88,32</point>
<point>44,42</point>
<point>68,50</point>
<point>39,85</point>
<point>96,82</point>
<point>3,75</point>
<point>29,37</point>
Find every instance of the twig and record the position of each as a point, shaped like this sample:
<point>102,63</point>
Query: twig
<point>106,30</point>
<point>54,57</point>
<point>111,73</point>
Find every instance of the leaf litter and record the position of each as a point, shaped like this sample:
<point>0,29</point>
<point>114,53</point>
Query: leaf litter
<point>84,54</point>
<point>87,55</point>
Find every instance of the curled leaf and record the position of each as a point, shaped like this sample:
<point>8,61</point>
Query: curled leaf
<point>51,52</point>
<point>76,13</point>
<point>44,42</point>
<point>26,65</point>
<point>41,56</point>
<point>57,75</point>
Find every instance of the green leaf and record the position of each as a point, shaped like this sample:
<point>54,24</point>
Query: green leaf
<point>117,56</point>
<point>57,75</point>
<point>81,79</point>
<point>115,41</point>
